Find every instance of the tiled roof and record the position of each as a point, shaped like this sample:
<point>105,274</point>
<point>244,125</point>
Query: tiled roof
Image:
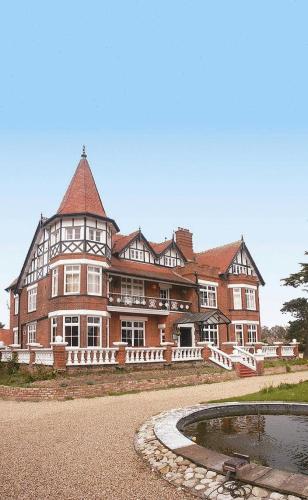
<point>160,247</point>
<point>219,257</point>
<point>120,241</point>
<point>12,284</point>
<point>82,194</point>
<point>147,271</point>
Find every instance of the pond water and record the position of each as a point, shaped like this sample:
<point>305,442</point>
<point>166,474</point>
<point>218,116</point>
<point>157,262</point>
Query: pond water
<point>278,441</point>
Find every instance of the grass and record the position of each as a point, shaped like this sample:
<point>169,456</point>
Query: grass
<point>283,362</point>
<point>283,392</point>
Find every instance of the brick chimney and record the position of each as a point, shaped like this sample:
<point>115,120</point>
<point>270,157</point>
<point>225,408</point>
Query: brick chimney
<point>184,239</point>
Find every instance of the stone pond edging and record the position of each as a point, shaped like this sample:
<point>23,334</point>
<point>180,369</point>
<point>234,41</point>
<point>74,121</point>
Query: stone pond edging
<point>197,470</point>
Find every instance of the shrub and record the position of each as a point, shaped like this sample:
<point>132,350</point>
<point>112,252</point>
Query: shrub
<point>288,368</point>
<point>12,366</point>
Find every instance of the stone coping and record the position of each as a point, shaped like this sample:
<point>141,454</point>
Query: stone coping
<point>198,469</point>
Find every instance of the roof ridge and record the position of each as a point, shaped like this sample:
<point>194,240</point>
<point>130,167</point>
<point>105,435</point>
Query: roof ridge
<point>220,246</point>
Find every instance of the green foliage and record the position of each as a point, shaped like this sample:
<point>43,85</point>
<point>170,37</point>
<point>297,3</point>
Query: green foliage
<point>288,368</point>
<point>283,392</point>
<point>12,366</point>
<point>276,333</point>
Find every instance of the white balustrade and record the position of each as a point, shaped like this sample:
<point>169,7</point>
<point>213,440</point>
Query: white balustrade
<point>287,351</point>
<point>220,358</point>
<point>186,353</point>
<point>6,355</point>
<point>269,351</point>
<point>43,357</point>
<point>118,299</point>
<point>23,356</point>
<point>247,359</point>
<point>144,355</point>
<point>90,356</point>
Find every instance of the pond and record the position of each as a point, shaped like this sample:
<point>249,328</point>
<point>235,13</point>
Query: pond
<point>278,441</point>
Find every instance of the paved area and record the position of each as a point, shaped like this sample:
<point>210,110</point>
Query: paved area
<point>83,449</point>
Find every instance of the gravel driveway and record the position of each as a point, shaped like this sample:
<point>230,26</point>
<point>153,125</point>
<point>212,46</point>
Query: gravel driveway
<point>83,449</point>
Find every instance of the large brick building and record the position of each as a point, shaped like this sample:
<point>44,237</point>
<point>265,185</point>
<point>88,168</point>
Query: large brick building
<point>93,286</point>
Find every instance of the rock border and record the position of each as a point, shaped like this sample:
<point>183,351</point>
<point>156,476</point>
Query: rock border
<point>157,442</point>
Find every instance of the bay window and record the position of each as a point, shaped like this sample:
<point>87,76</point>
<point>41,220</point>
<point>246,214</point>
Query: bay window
<point>94,280</point>
<point>208,296</point>
<point>237,298</point>
<point>209,333</point>
<point>94,331</point>
<point>71,279</point>
<point>54,282</point>
<point>132,332</point>
<point>71,330</point>
<point>250,294</point>
<point>252,333</point>
<point>96,235</point>
<point>54,327</point>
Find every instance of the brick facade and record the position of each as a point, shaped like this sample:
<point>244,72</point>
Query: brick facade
<point>169,278</point>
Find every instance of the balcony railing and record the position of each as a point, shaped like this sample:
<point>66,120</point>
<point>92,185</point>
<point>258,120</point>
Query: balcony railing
<point>155,303</point>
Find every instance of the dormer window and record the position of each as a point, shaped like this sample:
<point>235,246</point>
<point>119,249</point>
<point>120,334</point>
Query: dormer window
<point>72,233</point>
<point>170,262</point>
<point>136,254</point>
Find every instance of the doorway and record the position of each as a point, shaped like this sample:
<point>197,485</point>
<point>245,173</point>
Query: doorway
<point>185,337</point>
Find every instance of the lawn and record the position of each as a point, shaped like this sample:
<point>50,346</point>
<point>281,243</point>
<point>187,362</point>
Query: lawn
<point>283,392</point>
<point>271,363</point>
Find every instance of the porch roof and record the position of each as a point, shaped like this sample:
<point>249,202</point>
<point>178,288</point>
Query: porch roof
<point>215,317</point>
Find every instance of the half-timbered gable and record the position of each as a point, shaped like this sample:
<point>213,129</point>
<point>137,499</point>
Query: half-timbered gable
<point>138,249</point>
<point>171,257</point>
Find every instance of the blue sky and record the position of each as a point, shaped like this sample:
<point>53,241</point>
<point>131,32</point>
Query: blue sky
<point>194,114</point>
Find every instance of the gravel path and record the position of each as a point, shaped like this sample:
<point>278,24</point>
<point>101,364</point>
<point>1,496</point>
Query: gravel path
<point>83,449</point>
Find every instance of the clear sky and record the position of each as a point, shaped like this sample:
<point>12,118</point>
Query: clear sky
<point>194,114</point>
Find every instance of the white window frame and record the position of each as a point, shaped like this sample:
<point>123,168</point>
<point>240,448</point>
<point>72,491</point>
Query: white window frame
<point>252,334</point>
<point>16,304</point>
<point>94,271</point>
<point>207,294</point>
<point>170,261</point>
<point>136,254</point>
<point>239,330</point>
<point>73,230</point>
<point>71,269</point>
<point>71,324</point>
<point>133,328</point>
<point>54,282</point>
<point>53,328</point>
<point>210,333</point>
<point>97,235</point>
<point>237,298</point>
<point>132,287</point>
<point>250,295</point>
<point>91,323</point>
<point>32,299</point>
<point>15,335</point>
<point>31,333</point>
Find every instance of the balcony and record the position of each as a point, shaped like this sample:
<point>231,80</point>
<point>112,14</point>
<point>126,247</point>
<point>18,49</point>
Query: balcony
<point>118,301</point>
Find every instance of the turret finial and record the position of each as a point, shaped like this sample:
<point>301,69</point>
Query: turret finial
<point>84,155</point>
<point>242,237</point>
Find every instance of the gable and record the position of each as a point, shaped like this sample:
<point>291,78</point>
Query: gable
<point>243,263</point>
<point>171,257</point>
<point>138,249</point>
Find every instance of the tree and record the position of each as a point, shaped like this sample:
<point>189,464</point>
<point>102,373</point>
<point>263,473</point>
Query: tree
<point>298,308</point>
<point>276,333</point>
<point>2,325</point>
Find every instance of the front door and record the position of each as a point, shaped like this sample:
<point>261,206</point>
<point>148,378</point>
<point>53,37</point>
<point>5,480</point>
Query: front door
<point>185,337</point>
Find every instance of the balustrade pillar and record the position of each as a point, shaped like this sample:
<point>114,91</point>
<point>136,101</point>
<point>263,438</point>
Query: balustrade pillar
<point>121,354</point>
<point>259,357</point>
<point>59,353</point>
<point>295,345</point>
<point>206,351</point>
<point>168,351</point>
<point>228,347</point>
<point>278,346</point>
<point>32,346</point>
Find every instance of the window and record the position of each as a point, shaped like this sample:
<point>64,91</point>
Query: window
<point>96,235</point>
<point>162,333</point>
<point>71,330</point>
<point>170,261</point>
<point>136,254</point>
<point>94,331</point>
<point>208,296</point>
<point>132,287</point>
<point>209,333</point>
<point>54,326</point>
<point>71,279</point>
<point>72,233</point>
<point>32,296</point>
<point>237,298</point>
<point>54,282</point>
<point>15,336</point>
<point>239,336</point>
<point>164,294</point>
<point>94,280</point>
<point>252,333</point>
<point>31,333</point>
<point>16,304</point>
<point>250,299</point>
<point>133,333</point>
